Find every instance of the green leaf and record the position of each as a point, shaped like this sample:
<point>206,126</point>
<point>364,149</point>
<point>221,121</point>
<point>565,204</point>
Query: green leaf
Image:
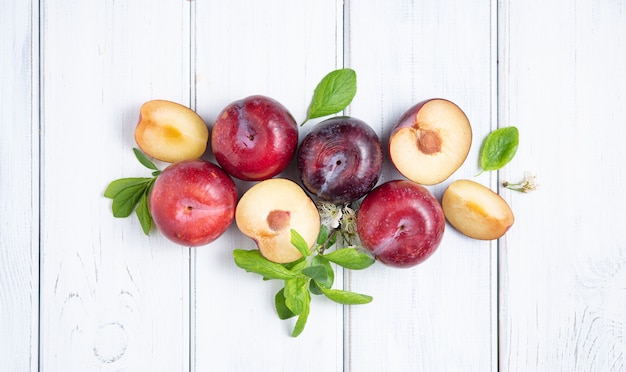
<point>252,261</point>
<point>323,235</point>
<point>329,278</point>
<point>281,307</point>
<point>346,297</point>
<point>303,317</point>
<point>143,159</point>
<point>143,213</point>
<point>298,241</point>
<point>318,273</point>
<point>350,258</point>
<point>297,264</point>
<point>297,267</point>
<point>296,291</point>
<point>117,186</point>
<point>314,288</point>
<point>498,148</point>
<point>333,94</point>
<point>127,199</point>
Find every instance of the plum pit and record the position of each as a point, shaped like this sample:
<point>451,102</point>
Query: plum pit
<point>278,220</point>
<point>428,141</point>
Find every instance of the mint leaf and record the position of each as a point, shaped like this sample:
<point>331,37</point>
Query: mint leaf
<point>143,213</point>
<point>143,159</point>
<point>281,307</point>
<point>499,148</point>
<point>318,273</point>
<point>117,186</point>
<point>323,235</point>
<point>314,288</point>
<point>328,278</point>
<point>252,261</point>
<point>298,241</point>
<point>346,297</point>
<point>333,93</point>
<point>127,199</point>
<point>296,292</point>
<point>303,317</point>
<point>132,193</point>
<point>350,258</point>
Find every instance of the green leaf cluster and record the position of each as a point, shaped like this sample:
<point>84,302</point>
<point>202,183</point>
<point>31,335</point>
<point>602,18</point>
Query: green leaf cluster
<point>313,274</point>
<point>131,194</point>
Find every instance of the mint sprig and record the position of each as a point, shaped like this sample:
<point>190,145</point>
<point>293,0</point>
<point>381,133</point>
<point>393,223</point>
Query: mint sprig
<point>313,274</point>
<point>131,194</point>
<point>333,93</point>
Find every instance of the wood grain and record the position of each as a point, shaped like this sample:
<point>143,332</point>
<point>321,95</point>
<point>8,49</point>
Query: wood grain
<point>428,317</point>
<point>112,298</point>
<point>83,291</point>
<point>279,49</point>
<point>19,186</point>
<point>563,264</point>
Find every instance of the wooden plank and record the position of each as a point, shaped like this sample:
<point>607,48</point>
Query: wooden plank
<point>112,298</point>
<point>280,49</point>
<point>563,287</point>
<point>439,315</point>
<point>19,185</point>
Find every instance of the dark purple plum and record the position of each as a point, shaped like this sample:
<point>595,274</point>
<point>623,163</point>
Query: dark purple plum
<point>340,160</point>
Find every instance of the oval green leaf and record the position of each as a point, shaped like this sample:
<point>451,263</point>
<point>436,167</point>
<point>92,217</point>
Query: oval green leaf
<point>298,241</point>
<point>282,310</point>
<point>127,199</point>
<point>296,293</point>
<point>117,186</point>
<point>499,148</point>
<point>346,297</point>
<point>350,258</point>
<point>143,214</point>
<point>252,261</point>
<point>333,94</point>
<point>143,159</point>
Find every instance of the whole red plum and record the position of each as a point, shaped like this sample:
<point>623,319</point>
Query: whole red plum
<point>255,138</point>
<point>401,223</point>
<point>193,202</point>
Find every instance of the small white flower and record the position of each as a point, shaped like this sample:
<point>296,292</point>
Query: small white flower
<point>349,234</point>
<point>330,214</point>
<point>348,220</point>
<point>528,184</point>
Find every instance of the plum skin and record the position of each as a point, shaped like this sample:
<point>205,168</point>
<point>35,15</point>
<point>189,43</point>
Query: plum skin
<point>401,223</point>
<point>193,202</point>
<point>254,138</point>
<point>340,159</point>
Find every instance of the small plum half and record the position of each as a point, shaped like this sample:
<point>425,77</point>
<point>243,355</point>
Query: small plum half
<point>170,132</point>
<point>476,211</point>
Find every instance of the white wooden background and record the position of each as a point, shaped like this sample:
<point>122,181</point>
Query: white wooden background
<point>82,291</point>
